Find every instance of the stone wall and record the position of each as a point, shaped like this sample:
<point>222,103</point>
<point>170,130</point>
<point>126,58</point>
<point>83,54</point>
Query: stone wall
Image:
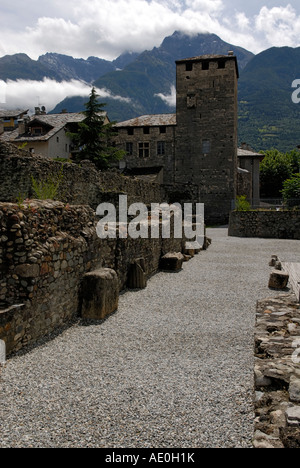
<point>244,184</point>
<point>45,250</point>
<point>265,224</point>
<point>277,373</point>
<point>79,184</point>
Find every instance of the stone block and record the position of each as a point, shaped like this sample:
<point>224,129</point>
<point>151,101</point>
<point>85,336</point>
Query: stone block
<point>294,389</point>
<point>172,261</point>
<point>100,294</point>
<point>2,352</point>
<point>278,279</point>
<point>27,270</point>
<point>137,278</point>
<point>293,415</point>
<point>273,260</point>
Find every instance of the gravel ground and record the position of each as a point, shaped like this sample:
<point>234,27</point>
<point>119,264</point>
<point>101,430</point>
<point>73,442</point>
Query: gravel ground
<point>173,368</point>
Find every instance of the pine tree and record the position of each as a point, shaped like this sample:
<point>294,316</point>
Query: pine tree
<point>93,137</point>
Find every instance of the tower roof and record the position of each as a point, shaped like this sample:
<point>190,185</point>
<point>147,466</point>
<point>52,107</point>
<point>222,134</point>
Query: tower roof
<point>205,58</point>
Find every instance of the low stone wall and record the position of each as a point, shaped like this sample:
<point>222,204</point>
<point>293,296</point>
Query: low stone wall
<point>277,373</point>
<point>265,224</point>
<point>45,250</point>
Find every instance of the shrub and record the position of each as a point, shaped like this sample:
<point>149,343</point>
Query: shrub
<point>47,189</point>
<point>242,204</point>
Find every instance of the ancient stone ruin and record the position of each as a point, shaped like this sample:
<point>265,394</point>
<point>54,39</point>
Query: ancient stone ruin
<point>53,265</point>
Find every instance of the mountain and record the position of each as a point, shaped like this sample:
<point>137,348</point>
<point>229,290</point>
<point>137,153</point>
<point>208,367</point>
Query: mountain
<point>152,73</point>
<point>59,67</point>
<point>267,116</point>
<point>20,66</point>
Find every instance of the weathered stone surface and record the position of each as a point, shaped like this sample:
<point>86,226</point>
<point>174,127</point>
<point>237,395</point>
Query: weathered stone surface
<point>100,294</point>
<point>137,278</point>
<point>278,279</point>
<point>294,388</point>
<point>27,270</point>
<point>277,373</point>
<point>172,261</point>
<point>2,352</point>
<point>293,415</point>
<point>290,437</point>
<point>265,224</point>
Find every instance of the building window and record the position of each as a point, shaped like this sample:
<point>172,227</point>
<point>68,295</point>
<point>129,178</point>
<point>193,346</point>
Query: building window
<point>36,131</point>
<point>144,150</point>
<point>221,63</point>
<point>189,66</point>
<point>146,130</point>
<point>206,146</point>
<point>163,129</point>
<point>57,139</point>
<point>130,131</point>
<point>129,148</point>
<point>205,65</point>
<point>161,149</point>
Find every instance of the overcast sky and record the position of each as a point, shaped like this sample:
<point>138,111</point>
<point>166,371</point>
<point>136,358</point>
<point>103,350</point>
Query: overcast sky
<point>106,28</point>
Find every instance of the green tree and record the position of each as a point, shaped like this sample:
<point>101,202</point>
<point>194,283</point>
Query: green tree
<point>93,137</point>
<point>274,170</point>
<point>291,191</point>
<point>295,160</point>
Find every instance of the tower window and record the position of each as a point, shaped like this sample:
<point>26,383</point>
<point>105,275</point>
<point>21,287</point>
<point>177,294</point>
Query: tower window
<point>205,65</point>
<point>206,146</point>
<point>146,130</point>
<point>130,131</point>
<point>163,129</point>
<point>189,66</point>
<point>221,64</point>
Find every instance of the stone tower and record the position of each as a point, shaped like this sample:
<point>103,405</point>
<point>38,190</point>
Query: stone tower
<point>206,133</point>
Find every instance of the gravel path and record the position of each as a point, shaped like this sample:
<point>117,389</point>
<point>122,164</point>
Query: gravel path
<point>173,368</point>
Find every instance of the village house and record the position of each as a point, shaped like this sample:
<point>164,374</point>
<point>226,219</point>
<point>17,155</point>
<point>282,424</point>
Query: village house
<point>47,134</point>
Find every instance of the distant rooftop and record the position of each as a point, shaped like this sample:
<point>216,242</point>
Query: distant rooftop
<point>155,120</point>
<point>205,57</point>
<point>9,114</point>
<point>248,153</point>
<point>54,123</point>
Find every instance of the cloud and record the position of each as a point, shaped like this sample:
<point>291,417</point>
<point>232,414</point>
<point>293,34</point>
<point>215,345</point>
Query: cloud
<point>169,99</point>
<point>29,94</point>
<point>106,28</point>
<point>280,25</point>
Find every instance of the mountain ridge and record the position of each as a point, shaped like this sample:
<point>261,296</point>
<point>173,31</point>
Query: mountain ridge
<point>153,73</point>
<point>59,67</point>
